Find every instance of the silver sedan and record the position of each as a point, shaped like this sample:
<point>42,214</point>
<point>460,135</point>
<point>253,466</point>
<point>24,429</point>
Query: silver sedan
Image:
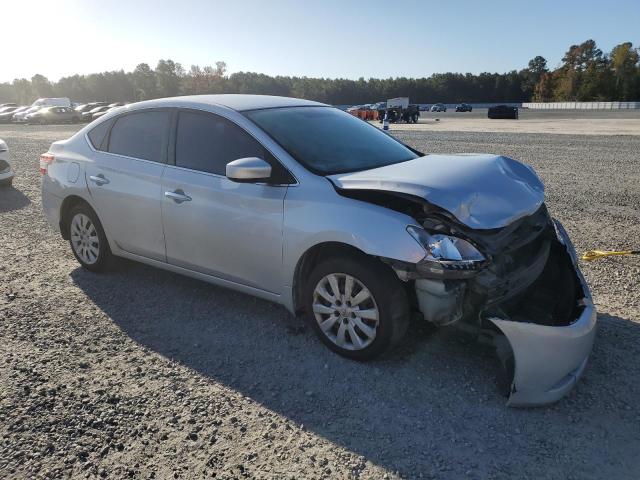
<point>305,205</point>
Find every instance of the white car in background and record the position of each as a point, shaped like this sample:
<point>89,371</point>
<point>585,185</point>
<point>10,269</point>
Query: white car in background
<point>6,174</point>
<point>21,117</point>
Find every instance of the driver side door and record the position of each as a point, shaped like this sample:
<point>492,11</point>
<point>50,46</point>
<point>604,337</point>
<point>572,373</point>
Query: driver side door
<point>213,225</point>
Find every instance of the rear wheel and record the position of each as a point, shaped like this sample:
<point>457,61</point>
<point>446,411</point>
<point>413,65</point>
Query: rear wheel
<point>87,239</point>
<point>357,306</point>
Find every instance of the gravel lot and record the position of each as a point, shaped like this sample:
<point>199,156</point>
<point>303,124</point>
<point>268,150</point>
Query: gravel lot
<point>565,122</point>
<point>147,374</point>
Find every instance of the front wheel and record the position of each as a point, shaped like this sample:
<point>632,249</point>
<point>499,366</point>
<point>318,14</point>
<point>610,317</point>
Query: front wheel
<point>87,239</point>
<point>357,306</point>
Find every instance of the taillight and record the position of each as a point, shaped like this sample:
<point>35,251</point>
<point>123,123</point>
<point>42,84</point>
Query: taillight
<point>46,159</point>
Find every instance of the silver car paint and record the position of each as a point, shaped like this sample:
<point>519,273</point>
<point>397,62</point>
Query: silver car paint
<point>227,229</point>
<point>550,360</point>
<point>481,191</point>
<point>335,218</point>
<point>126,195</point>
<point>312,213</point>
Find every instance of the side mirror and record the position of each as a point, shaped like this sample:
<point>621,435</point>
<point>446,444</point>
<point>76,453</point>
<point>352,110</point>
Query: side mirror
<point>248,170</point>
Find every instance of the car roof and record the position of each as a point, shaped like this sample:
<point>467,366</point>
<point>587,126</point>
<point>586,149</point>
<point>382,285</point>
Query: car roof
<point>236,102</point>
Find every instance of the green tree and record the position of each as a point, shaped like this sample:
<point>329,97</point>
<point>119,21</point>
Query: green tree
<point>544,89</point>
<point>144,82</point>
<point>626,74</point>
<point>23,92</point>
<point>40,86</point>
<point>168,74</point>
<point>531,75</point>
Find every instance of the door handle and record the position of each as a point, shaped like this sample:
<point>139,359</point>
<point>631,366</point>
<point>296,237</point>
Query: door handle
<point>99,179</point>
<point>178,196</point>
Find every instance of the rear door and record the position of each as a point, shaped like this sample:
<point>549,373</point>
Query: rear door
<point>125,179</point>
<point>214,225</point>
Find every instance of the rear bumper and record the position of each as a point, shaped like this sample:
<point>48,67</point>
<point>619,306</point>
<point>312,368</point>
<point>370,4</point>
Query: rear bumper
<point>549,360</point>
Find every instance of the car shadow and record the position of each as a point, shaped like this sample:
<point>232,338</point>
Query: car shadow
<point>12,199</point>
<point>433,398</point>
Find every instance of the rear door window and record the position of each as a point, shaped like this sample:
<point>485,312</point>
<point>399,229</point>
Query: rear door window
<point>141,135</point>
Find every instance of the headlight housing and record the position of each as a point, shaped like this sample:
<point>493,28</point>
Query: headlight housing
<point>446,254</point>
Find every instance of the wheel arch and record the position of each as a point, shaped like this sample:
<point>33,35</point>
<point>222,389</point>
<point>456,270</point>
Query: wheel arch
<point>315,254</point>
<point>67,204</point>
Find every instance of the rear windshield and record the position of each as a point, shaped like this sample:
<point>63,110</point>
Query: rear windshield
<point>327,140</point>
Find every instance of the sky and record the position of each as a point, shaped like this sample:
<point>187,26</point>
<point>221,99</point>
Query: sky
<point>316,38</point>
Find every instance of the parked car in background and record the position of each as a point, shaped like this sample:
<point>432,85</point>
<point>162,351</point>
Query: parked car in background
<point>88,116</point>
<point>117,104</point>
<point>54,115</point>
<point>52,102</point>
<point>357,230</point>
<point>464,107</point>
<point>363,112</point>
<point>6,174</point>
<point>104,112</point>
<point>439,107</point>
<point>21,116</point>
<point>503,112</point>
<point>7,115</point>
<point>8,105</point>
<point>89,106</point>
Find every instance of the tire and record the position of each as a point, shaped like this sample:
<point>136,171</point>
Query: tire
<point>383,297</point>
<point>83,228</point>
<point>6,183</point>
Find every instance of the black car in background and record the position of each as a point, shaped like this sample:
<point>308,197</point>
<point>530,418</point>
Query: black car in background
<point>464,107</point>
<point>503,112</point>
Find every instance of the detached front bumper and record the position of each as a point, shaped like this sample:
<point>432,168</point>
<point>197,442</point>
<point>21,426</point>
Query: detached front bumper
<point>549,360</point>
<point>540,318</point>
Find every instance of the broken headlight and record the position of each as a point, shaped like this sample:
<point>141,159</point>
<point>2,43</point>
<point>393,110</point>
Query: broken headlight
<point>446,254</point>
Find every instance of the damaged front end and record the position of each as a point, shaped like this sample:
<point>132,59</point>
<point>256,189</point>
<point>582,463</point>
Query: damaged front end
<point>496,264</point>
<point>517,288</point>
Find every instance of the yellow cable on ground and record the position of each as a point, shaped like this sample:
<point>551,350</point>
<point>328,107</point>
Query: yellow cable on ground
<point>594,254</point>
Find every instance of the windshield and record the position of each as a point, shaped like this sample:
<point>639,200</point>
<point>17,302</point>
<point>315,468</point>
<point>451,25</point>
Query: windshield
<point>328,141</point>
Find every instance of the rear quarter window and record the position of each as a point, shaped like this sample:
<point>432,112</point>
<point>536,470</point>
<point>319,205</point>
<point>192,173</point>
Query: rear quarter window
<point>98,135</point>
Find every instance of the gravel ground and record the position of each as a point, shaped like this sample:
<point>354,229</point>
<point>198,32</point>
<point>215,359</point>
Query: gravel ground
<point>566,122</point>
<point>147,374</point>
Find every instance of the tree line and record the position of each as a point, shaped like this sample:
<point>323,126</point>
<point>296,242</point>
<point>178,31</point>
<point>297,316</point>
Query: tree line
<point>586,74</point>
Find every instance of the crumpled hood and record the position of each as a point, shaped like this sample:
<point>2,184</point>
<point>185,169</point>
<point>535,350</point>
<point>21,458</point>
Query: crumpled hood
<point>481,191</point>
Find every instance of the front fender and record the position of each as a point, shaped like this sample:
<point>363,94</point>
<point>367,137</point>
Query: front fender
<point>320,215</point>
